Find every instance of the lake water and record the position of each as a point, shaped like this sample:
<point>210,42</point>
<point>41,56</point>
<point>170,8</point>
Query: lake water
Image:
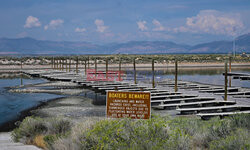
<point>11,104</point>
<point>202,75</point>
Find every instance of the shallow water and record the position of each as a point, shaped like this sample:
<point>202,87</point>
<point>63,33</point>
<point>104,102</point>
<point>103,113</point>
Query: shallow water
<point>203,75</point>
<point>11,104</point>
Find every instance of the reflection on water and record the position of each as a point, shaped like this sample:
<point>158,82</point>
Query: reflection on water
<point>202,75</point>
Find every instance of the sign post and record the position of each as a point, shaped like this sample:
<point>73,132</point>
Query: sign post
<point>134,105</point>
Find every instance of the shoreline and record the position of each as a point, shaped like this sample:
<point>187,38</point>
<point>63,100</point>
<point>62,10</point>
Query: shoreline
<point>18,69</point>
<point>11,124</point>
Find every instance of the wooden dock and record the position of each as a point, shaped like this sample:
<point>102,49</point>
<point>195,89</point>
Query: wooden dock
<point>203,100</point>
<point>241,76</point>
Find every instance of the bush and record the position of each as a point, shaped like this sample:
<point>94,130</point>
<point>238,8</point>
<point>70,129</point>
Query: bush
<point>33,128</point>
<point>29,128</point>
<point>237,141</point>
<point>128,134</point>
<point>179,133</point>
<point>240,121</point>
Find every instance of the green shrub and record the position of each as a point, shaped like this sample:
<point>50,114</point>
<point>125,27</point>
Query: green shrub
<point>127,134</point>
<point>29,128</point>
<point>58,126</point>
<point>237,141</point>
<point>188,125</point>
<point>33,126</point>
<point>241,121</point>
<point>159,132</point>
<point>50,140</point>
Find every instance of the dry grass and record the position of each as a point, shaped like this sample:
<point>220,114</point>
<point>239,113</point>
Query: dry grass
<point>39,141</point>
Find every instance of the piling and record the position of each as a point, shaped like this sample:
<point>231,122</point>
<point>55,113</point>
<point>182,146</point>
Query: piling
<point>95,67</point>
<point>225,95</point>
<point>107,61</point>
<point>134,72</point>
<point>57,63</point>
<point>88,62</point>
<point>77,61</point>
<point>230,70</point>
<point>21,64</point>
<point>176,75</point>
<point>52,63</point>
<point>66,65</point>
<point>120,64</point>
<point>85,66</point>
<point>69,65</point>
<point>62,65</point>
<point>21,80</point>
<point>153,73</point>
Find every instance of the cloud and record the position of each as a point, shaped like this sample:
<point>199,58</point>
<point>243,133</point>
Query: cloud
<point>32,22</point>
<point>213,22</point>
<point>158,26</point>
<point>100,26</point>
<point>80,30</point>
<point>54,24</point>
<point>142,25</point>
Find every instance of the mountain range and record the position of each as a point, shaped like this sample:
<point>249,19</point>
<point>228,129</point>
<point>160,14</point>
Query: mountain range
<point>32,46</point>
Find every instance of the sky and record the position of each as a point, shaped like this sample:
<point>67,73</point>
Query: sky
<point>118,21</point>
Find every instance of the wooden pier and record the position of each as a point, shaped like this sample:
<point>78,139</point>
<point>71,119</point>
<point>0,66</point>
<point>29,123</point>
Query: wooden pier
<point>241,76</point>
<point>192,98</point>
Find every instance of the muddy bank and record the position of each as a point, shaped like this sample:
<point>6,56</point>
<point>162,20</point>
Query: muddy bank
<point>12,124</point>
<point>75,108</point>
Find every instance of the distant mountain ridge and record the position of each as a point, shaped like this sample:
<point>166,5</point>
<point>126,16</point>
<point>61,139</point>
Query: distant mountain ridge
<point>33,46</point>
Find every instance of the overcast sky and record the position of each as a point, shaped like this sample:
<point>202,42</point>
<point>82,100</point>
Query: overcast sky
<point>108,21</point>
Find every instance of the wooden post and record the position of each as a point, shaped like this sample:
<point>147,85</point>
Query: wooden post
<point>21,63</point>
<point>66,65</point>
<point>85,66</point>
<point>69,64</point>
<point>76,64</point>
<point>134,72</point>
<point>57,63</point>
<point>95,67</point>
<point>225,95</point>
<point>107,61</point>
<point>21,79</point>
<point>88,62</point>
<point>52,63</point>
<point>230,70</point>
<point>62,65</point>
<point>120,65</point>
<point>176,75</point>
<point>153,73</point>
